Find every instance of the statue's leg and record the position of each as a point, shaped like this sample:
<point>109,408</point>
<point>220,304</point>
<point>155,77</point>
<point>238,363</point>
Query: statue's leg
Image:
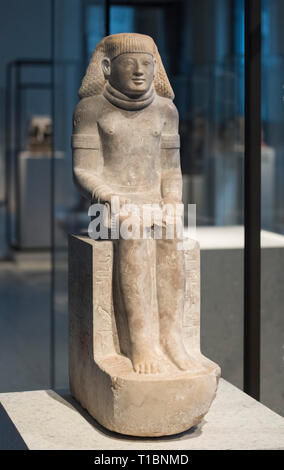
<point>170,292</point>
<point>135,265</point>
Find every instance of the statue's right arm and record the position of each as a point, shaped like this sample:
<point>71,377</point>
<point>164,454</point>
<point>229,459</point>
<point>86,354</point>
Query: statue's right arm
<point>86,152</point>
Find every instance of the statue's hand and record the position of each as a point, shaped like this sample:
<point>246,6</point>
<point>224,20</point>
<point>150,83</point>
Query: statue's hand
<point>116,200</point>
<point>172,210</point>
<point>170,200</point>
<point>137,215</point>
<point>118,205</point>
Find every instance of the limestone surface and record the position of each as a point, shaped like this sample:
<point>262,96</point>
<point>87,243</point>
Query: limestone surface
<point>102,378</point>
<point>135,362</point>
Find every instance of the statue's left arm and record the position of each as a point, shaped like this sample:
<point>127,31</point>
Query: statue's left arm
<point>171,177</point>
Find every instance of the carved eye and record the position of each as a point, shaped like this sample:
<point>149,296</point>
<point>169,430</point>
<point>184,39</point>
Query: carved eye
<point>128,62</point>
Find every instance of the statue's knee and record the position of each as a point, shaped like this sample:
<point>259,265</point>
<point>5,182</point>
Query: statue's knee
<point>132,252</point>
<point>167,244</point>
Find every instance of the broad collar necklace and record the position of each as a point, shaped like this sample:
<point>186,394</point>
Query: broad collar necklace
<point>120,100</point>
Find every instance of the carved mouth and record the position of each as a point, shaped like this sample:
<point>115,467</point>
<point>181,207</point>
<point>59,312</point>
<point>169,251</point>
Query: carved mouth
<point>138,81</point>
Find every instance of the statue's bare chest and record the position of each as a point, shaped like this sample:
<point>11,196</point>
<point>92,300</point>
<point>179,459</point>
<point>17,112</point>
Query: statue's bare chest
<point>130,145</point>
<point>131,128</point>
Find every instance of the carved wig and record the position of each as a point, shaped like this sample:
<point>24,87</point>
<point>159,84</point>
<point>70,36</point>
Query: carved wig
<point>114,45</point>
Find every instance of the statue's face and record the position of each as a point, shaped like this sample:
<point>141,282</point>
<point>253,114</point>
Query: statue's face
<point>130,73</point>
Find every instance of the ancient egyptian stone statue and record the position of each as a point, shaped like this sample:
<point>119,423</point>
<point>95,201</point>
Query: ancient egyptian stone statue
<point>126,144</point>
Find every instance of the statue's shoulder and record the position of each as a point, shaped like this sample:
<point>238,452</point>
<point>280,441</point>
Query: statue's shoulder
<point>89,108</point>
<point>167,108</point>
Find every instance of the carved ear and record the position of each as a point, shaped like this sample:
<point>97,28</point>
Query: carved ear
<point>106,66</point>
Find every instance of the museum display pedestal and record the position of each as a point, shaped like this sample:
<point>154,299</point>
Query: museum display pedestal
<point>45,419</point>
<point>34,209</point>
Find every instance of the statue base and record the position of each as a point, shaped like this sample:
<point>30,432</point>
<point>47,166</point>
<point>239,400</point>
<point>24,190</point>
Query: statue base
<point>102,378</point>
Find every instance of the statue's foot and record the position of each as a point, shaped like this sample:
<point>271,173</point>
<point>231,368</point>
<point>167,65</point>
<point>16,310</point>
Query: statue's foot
<point>147,362</point>
<point>174,348</point>
<point>208,364</point>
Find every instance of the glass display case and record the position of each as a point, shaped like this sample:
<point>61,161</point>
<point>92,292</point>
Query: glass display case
<point>200,47</point>
<point>221,56</point>
<point>272,208</point>
<point>232,159</point>
<point>203,48</point>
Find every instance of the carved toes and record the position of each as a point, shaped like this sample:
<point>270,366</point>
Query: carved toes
<point>147,367</point>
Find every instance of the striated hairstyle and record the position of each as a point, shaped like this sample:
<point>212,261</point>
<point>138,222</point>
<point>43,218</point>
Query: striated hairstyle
<point>114,45</point>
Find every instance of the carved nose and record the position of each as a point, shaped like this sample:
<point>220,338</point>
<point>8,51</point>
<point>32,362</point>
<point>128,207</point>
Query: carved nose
<point>138,70</point>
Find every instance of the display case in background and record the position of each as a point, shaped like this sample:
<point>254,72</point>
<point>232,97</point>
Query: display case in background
<point>27,165</point>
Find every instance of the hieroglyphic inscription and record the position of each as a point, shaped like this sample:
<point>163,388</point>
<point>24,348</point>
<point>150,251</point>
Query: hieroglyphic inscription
<point>191,315</point>
<point>192,289</point>
<point>103,301</point>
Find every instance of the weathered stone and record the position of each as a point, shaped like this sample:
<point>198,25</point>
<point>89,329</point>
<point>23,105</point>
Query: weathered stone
<point>135,362</point>
<point>103,380</point>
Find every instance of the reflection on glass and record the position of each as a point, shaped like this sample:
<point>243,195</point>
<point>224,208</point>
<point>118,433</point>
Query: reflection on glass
<point>272,220</point>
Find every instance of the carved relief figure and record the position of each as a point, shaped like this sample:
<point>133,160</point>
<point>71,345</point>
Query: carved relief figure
<point>126,143</point>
